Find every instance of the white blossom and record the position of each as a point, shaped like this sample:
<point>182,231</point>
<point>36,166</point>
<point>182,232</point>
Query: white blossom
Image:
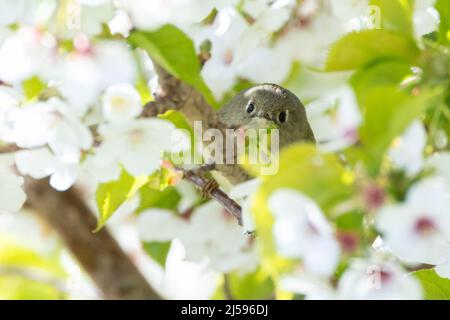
<point>377,280</point>
<point>91,72</point>
<point>14,11</point>
<point>138,144</point>
<point>418,230</point>
<point>335,119</point>
<point>12,196</point>
<point>221,70</point>
<point>182,13</point>
<point>425,17</point>
<point>407,151</point>
<point>27,52</point>
<point>210,233</point>
<point>312,286</point>
<point>50,123</point>
<point>440,162</point>
<point>121,23</point>
<point>121,102</point>
<point>301,231</point>
<point>41,163</point>
<point>243,193</point>
<point>10,99</point>
<point>309,43</point>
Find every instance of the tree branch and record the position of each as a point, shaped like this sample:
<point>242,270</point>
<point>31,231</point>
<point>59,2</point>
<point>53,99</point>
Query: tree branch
<point>98,253</point>
<point>191,103</point>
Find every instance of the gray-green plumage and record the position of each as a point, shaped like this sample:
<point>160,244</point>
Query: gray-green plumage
<point>269,102</point>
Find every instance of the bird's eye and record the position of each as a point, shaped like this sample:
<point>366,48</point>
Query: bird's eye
<point>282,117</point>
<point>250,107</point>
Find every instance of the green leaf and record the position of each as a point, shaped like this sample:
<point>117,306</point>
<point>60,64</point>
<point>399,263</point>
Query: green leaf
<point>175,52</point>
<point>380,73</point>
<point>443,7</point>
<point>33,87</point>
<point>396,15</point>
<point>434,287</point>
<point>151,198</point>
<point>158,251</point>
<point>358,49</point>
<point>111,195</point>
<point>387,113</point>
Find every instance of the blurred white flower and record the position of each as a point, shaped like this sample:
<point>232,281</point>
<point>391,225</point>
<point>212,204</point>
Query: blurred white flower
<point>309,41</point>
<point>440,162</point>
<point>12,196</point>
<point>407,151</point>
<point>27,52</point>
<point>100,171</point>
<point>425,18</point>
<point>92,14</point>
<point>120,24</point>
<point>52,123</point>
<point>221,70</point>
<point>214,233</point>
<point>13,11</point>
<point>377,280</point>
<point>271,17</point>
<point>335,119</point>
<point>301,231</point>
<point>10,99</point>
<point>310,285</point>
<point>138,144</point>
<point>355,15</point>
<point>209,233</point>
<point>265,65</point>
<point>418,230</point>
<point>86,74</point>
<point>243,193</point>
<point>121,102</point>
<point>349,9</point>
<point>182,13</point>
<point>185,279</point>
<point>41,163</point>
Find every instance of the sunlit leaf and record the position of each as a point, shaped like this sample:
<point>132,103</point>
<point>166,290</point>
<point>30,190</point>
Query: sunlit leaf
<point>33,87</point>
<point>111,195</point>
<point>175,52</point>
<point>434,287</point>
<point>151,198</point>
<point>387,113</point>
<point>443,7</point>
<point>358,49</point>
<point>396,15</point>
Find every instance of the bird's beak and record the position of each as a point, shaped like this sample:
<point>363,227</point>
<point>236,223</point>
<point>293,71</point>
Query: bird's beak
<point>261,123</point>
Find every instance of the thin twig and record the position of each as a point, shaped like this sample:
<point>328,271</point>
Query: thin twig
<point>217,194</point>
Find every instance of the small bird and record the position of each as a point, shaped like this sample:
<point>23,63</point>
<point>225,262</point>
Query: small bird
<point>269,105</point>
<point>259,107</point>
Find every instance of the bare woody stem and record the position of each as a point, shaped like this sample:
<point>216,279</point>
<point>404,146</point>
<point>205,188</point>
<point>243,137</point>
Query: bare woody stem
<point>217,194</point>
